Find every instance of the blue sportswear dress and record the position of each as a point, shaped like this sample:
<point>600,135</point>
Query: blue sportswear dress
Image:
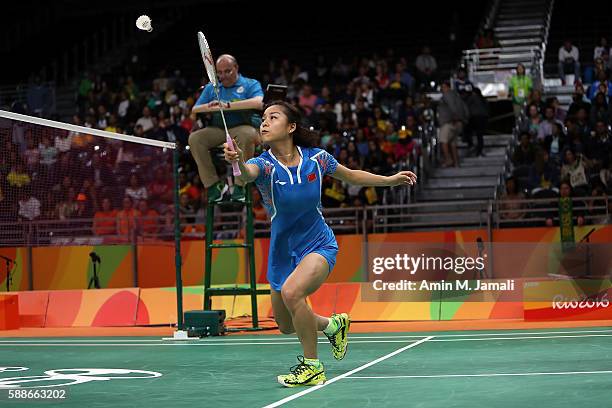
<point>292,198</point>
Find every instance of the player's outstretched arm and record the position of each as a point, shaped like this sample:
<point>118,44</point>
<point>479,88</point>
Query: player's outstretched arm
<point>364,178</point>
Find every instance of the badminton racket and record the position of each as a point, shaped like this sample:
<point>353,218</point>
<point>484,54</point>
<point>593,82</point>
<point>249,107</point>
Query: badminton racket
<point>209,64</point>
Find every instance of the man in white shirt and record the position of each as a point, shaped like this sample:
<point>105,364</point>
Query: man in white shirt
<point>29,207</point>
<point>124,105</point>
<point>426,67</point>
<point>146,121</point>
<point>569,61</point>
<point>63,141</point>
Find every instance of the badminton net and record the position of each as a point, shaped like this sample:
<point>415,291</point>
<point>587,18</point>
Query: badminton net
<point>63,184</point>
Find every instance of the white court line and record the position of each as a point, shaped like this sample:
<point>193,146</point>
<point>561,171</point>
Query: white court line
<point>139,345</point>
<point>357,336</point>
<point>348,373</point>
<point>406,336</point>
<point>481,375</point>
<point>528,337</point>
<point>285,339</point>
<point>86,130</point>
<point>49,340</point>
<point>288,342</point>
<point>183,344</point>
<point>275,343</point>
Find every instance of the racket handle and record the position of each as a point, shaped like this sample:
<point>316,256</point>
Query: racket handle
<point>235,167</point>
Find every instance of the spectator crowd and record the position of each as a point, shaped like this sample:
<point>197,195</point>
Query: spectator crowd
<point>565,152</point>
<point>369,112</point>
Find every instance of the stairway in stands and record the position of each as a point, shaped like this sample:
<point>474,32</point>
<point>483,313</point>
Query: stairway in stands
<point>521,22</point>
<point>521,28</point>
<point>476,178</point>
<point>518,24</point>
<point>459,196</point>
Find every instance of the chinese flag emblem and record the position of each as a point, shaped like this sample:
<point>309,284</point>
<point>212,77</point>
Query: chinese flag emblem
<point>311,177</point>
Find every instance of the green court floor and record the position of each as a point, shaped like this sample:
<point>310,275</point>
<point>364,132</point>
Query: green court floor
<point>535,368</point>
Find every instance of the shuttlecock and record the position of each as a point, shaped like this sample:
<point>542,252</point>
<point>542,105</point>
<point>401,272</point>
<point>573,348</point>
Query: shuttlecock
<point>144,23</point>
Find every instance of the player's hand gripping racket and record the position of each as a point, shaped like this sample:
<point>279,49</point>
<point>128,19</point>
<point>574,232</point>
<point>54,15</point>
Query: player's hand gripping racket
<point>209,64</point>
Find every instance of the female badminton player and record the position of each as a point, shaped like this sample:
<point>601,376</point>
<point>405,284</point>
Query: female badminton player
<point>302,246</point>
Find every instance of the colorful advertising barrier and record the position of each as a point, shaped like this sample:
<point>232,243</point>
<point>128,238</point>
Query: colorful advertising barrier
<point>577,299</point>
<point>437,275</point>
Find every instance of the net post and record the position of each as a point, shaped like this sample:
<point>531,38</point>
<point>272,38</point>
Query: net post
<point>30,259</point>
<point>210,212</point>
<point>251,254</point>
<point>177,243</point>
<point>134,241</point>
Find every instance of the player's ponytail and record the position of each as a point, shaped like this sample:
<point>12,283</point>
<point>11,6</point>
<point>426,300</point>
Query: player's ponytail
<point>302,136</point>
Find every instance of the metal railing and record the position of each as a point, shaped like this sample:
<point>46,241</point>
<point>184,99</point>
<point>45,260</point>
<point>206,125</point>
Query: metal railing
<point>539,211</point>
<point>492,59</point>
<point>397,218</point>
<point>490,70</point>
<point>498,213</point>
<point>428,157</point>
<point>491,16</point>
<point>546,31</point>
<point>487,20</point>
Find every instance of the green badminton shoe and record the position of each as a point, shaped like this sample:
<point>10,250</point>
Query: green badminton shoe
<point>339,339</point>
<point>303,374</point>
